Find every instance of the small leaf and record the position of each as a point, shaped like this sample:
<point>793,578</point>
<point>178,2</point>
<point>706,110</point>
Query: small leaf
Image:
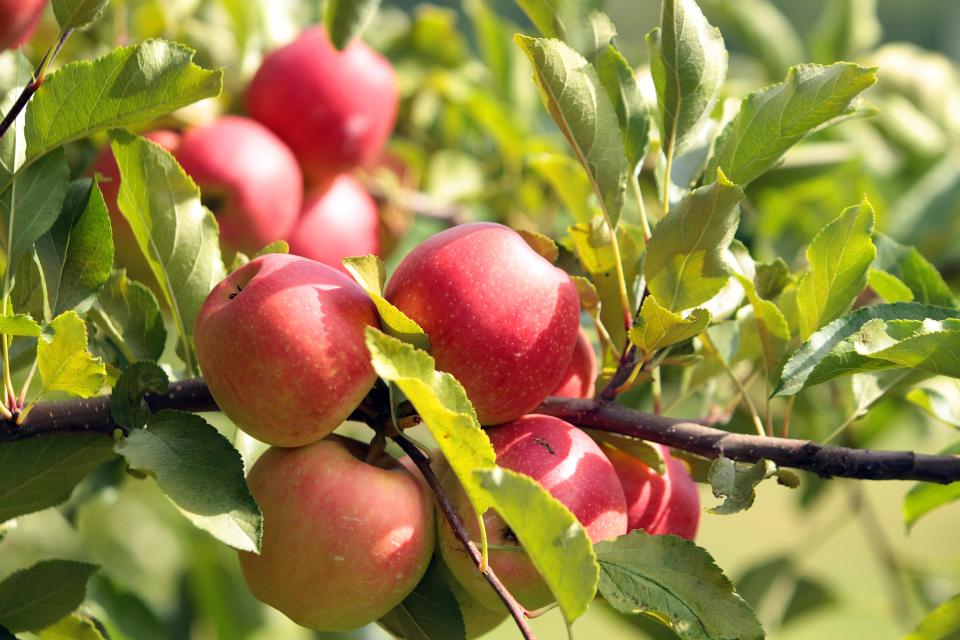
<point>543,245</point>
<point>278,246</point>
<point>676,581</point>
<point>201,472</point>
<point>369,273</point>
<point>619,80</point>
<point>889,287</point>
<point>73,627</point>
<point>943,623</point>
<point>129,315</point>
<point>555,541</point>
<point>771,327</point>
<point>77,14</point>
<point>925,497</point>
<point>430,611</point>
<point>775,118</point>
<point>735,483</point>
<point>345,19</point>
<point>64,362</point>
<point>771,278</point>
<point>657,328</point>
<point>646,452</point>
<point>914,271</point>
<point>31,204</point>
<point>839,258</point>
<point>587,292</point>
<point>685,264</point>
<point>34,598</point>
<point>128,407</point>
<point>41,472</point>
<point>19,324</point>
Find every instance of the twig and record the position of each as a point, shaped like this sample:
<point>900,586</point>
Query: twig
<point>32,87</point>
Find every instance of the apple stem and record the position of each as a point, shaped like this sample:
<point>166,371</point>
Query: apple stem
<point>516,610</point>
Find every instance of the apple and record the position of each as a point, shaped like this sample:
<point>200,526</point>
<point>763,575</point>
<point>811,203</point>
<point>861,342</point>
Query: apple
<point>578,381</point>
<point>335,109</point>
<point>667,504</point>
<point>572,468</point>
<point>344,540</point>
<point>18,19</point>
<point>341,221</point>
<point>248,178</point>
<point>280,342</point>
<point>500,317</point>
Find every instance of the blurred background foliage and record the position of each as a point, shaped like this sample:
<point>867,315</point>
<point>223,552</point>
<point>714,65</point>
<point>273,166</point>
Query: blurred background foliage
<point>831,560</point>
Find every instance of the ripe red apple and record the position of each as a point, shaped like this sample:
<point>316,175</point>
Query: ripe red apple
<point>281,345</point>
<point>572,468</point>
<point>335,109</point>
<point>667,504</point>
<point>500,317</point>
<point>248,177</point>
<point>344,541</point>
<point>341,221</point>
<point>578,381</point>
<point>18,19</point>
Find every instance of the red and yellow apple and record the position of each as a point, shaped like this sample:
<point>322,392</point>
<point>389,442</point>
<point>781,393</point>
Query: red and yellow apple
<point>281,345</point>
<point>18,19</point>
<point>579,379</point>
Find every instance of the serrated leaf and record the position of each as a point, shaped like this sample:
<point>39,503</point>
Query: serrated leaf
<point>77,14</point>
<point>129,315</point>
<point>430,611</point>
<point>775,118</point>
<point>64,362</point>
<point>555,541</point>
<point>178,236</point>
<point>839,258</point>
<point>19,324</point>
<point>568,179</point>
<point>34,598</point>
<point>370,274</point>
<point>542,244</point>
<point>657,328</point>
<point>73,627</point>
<point>925,497</point>
<point>913,270</point>
<point>77,253</point>
<point>442,404</point>
<point>41,472</point>
<point>677,581</point>
<point>771,327</point>
<point>688,62</point>
<point>735,483</point>
<point>930,345</point>
<point>200,472</point>
<point>128,408</point>
<point>128,86</point>
<point>619,80</point>
<point>685,264</point>
<point>345,19</point>
<point>31,203</point>
<point>943,623</point>
<point>576,100</point>
<point>830,352</point>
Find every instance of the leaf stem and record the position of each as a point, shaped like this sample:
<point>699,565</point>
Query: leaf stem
<point>747,400</point>
<point>668,169</point>
<point>644,223</point>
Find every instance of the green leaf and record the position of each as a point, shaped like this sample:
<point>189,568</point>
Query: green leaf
<point>345,19</point>
<point>41,472</point>
<point>939,398</point>
<point>839,258</point>
<point>73,627</point>
<point>442,404</point>
<point>925,497</point>
<point>555,541</point>
<point>277,246</point>
<point>765,31</point>
<point>77,14</point>
<point>619,80</point>
<point>64,362</point>
<point>30,289</point>
<point>178,236</point>
<point>19,324</point>
<point>576,100</point>
<point>646,452</point>
<point>430,611</point>
<point>370,274</point>
<point>34,598</point>
<point>771,327</point>
<point>914,271</point>
<point>657,328</point>
<point>128,407</point>
<point>889,287</point>
<point>201,472</point>
<point>31,204</point>
<point>930,345</point>
<point>771,278</point>
<point>688,62</point>
<point>685,264</point>
<point>775,118</point>
<point>567,178</point>
<point>77,254</point>
<point>943,623</point>
<point>830,352</point>
<point>676,581</point>
<point>735,483</point>
<point>129,86</point>
<point>544,14</point>
<point>129,316</point>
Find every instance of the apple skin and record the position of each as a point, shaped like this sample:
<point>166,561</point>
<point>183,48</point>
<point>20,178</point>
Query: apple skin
<point>18,19</point>
<point>281,345</point>
<point>344,541</point>
<point>572,468</point>
<point>339,222</point>
<point>500,317</point>
<point>335,109</point>
<point>667,504</point>
<point>578,381</point>
<point>248,178</point>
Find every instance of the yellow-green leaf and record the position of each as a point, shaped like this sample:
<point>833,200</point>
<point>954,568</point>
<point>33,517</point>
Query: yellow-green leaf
<point>657,328</point>
<point>369,273</point>
<point>64,362</point>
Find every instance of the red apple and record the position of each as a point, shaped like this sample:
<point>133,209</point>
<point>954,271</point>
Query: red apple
<point>500,317</point>
<point>336,223</point>
<point>281,345</point>
<point>579,378</point>
<point>572,468</point>
<point>344,541</point>
<point>18,19</point>
<point>248,177</point>
<point>667,504</point>
<point>335,109</point>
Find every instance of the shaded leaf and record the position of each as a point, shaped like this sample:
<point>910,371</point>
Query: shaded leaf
<point>77,14</point>
<point>430,611</point>
<point>771,278</point>
<point>913,270</point>
<point>926,497</point>
<point>619,80</point>
<point>735,483</point>
<point>128,407</point>
<point>771,327</point>
<point>345,19</point>
<point>129,315</point>
<point>31,203</point>
<point>37,597</point>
